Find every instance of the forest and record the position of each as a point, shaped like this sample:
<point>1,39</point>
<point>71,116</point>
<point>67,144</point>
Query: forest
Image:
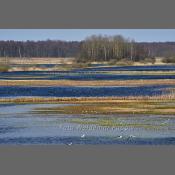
<point>93,48</point>
<point>48,48</point>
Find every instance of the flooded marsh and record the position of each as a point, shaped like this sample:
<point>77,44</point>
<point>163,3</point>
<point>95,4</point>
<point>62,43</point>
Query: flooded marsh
<point>132,105</point>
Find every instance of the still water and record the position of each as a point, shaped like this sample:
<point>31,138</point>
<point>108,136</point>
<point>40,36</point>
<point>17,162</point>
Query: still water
<point>19,125</point>
<point>67,91</point>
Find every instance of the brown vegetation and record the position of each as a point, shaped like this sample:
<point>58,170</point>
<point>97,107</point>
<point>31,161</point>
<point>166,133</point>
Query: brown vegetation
<point>163,98</point>
<point>86,83</point>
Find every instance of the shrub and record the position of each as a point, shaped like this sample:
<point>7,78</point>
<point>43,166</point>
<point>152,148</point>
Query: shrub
<point>169,60</point>
<point>4,68</point>
<point>125,62</point>
<point>149,60</point>
<point>112,62</point>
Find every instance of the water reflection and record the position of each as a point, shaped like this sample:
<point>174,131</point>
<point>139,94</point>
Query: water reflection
<point>20,126</point>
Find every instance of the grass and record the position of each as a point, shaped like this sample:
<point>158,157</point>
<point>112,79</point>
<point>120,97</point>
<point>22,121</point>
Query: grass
<point>32,64</point>
<point>31,61</point>
<point>86,83</point>
<point>155,105</point>
<point>4,68</point>
<point>97,107</point>
<point>82,100</point>
<point>163,107</point>
<point>163,104</point>
<point>169,60</point>
<point>55,67</point>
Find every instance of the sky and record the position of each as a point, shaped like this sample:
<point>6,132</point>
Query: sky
<point>139,35</point>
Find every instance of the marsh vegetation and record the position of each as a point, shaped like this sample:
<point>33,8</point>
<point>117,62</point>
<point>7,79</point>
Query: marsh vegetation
<point>124,87</point>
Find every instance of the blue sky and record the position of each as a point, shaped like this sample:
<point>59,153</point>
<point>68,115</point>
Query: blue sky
<point>147,35</point>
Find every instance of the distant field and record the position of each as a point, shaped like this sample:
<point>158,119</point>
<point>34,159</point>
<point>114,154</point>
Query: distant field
<point>67,60</point>
<point>37,60</point>
<point>10,64</point>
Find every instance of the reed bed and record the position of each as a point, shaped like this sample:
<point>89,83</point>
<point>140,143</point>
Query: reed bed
<point>86,83</point>
<point>159,105</point>
<point>164,98</point>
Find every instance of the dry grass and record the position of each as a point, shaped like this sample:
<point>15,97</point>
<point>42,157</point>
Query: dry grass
<point>161,105</point>
<point>38,60</point>
<point>132,105</point>
<point>86,83</point>
<point>81,100</point>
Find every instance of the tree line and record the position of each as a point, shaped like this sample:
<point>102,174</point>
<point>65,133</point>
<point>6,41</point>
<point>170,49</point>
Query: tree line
<point>47,48</point>
<point>93,48</point>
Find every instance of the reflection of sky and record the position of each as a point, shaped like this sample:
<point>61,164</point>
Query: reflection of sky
<point>147,35</point>
<point>31,125</point>
<point>81,91</point>
<point>31,128</point>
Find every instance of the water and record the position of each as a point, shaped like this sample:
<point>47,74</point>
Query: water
<point>93,73</point>
<point>77,76</point>
<point>132,68</point>
<point>18,91</point>
<point>18,125</point>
